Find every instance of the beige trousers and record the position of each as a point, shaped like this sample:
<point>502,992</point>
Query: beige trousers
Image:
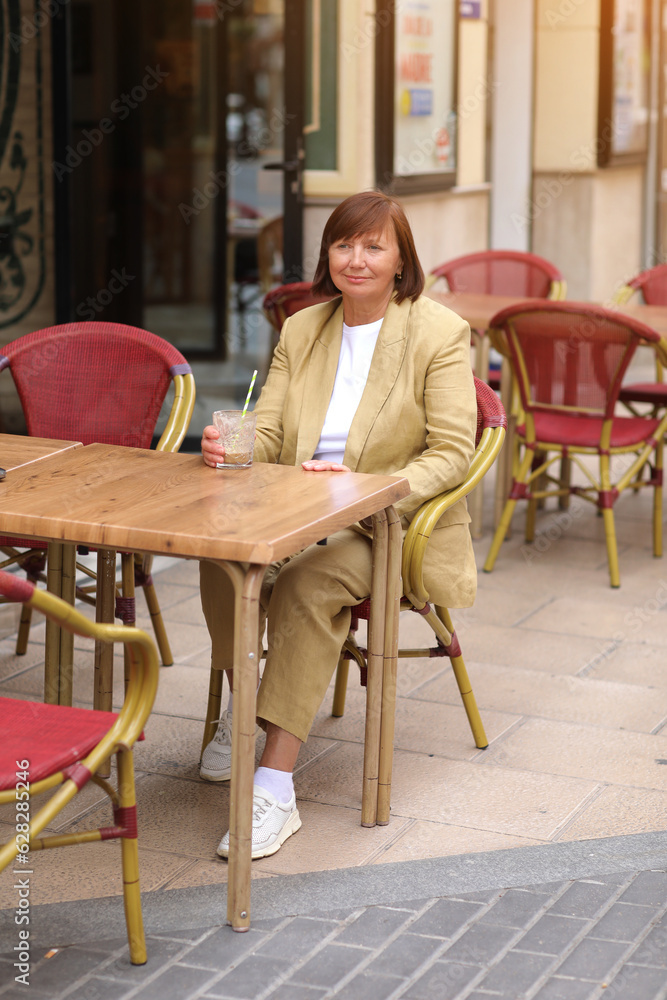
<point>306,600</point>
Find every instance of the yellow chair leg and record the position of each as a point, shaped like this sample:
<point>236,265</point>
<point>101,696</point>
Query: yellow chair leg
<point>156,614</point>
<point>24,630</point>
<point>130,861</point>
<point>213,707</point>
<point>612,550</point>
<point>436,619</point>
<point>340,688</point>
<point>499,536</point>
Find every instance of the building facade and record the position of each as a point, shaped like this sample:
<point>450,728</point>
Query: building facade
<point>144,145</point>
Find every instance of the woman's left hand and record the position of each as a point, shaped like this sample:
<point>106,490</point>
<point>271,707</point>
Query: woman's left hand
<point>316,466</point>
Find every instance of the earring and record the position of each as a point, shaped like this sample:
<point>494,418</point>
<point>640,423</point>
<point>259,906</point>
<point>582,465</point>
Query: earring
<point>399,276</point>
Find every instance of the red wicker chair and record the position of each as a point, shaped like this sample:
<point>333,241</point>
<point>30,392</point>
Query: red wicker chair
<point>285,300</point>
<point>47,747</point>
<point>101,382</point>
<point>569,359</point>
<point>491,426</point>
<point>500,272</point>
<point>652,285</point>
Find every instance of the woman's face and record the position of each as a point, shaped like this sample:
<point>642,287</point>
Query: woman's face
<point>363,267</point>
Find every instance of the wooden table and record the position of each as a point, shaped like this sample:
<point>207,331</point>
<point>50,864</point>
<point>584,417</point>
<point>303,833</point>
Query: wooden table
<point>17,451</point>
<point>113,498</point>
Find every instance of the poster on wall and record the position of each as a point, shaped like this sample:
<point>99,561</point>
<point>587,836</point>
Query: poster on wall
<point>624,81</point>
<point>424,98</point>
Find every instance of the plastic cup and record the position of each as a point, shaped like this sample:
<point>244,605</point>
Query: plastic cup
<point>237,437</point>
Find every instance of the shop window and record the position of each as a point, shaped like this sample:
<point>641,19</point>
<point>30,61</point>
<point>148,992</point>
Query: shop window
<point>623,110</point>
<point>416,51</point>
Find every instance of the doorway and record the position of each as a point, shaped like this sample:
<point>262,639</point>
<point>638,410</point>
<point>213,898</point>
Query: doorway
<point>191,130</point>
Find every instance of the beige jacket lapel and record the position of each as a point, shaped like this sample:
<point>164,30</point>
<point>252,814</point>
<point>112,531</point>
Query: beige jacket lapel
<point>385,367</point>
<point>318,386</point>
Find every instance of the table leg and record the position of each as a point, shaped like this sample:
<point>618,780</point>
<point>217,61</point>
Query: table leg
<point>375,662</point>
<point>104,612</point>
<point>68,593</point>
<point>59,644</point>
<point>392,608</point>
<point>247,586</point>
<point>54,566</point>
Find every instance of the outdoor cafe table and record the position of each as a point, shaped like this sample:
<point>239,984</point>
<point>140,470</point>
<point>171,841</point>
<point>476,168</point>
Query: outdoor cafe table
<point>115,498</point>
<point>17,451</point>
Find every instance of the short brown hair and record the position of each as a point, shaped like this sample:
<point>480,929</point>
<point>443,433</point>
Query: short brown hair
<point>370,212</point>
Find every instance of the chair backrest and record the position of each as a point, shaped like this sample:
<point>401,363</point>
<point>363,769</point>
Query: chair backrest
<point>651,283</point>
<point>96,381</point>
<point>570,357</point>
<point>490,411</point>
<point>270,253</point>
<point>285,300</point>
<point>503,272</point>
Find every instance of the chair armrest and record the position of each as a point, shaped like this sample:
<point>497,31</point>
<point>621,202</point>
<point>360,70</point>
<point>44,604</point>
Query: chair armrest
<point>428,515</point>
<point>180,415</point>
<point>144,665</point>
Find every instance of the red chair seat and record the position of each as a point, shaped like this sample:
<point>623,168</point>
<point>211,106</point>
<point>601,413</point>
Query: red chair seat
<point>56,735</point>
<point>645,392</point>
<point>575,432</point>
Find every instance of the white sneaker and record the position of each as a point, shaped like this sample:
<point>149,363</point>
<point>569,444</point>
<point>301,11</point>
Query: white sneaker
<point>216,760</point>
<point>272,823</point>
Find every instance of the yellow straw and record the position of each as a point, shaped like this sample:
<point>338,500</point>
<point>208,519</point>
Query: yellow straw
<point>247,399</point>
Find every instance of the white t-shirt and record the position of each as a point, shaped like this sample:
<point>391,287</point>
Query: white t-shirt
<point>354,362</point>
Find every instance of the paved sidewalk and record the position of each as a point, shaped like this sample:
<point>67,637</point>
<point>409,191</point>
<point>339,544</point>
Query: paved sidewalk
<point>575,921</point>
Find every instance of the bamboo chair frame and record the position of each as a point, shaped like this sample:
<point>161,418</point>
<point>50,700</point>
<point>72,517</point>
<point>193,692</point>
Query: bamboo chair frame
<point>416,598</point>
<point>123,732</point>
<point>654,394</point>
<point>532,461</point>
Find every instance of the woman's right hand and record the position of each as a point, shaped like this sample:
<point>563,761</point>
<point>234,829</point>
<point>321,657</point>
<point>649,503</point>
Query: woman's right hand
<point>211,449</point>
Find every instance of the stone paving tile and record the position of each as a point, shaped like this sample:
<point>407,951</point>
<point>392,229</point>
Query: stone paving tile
<point>224,948</point>
<point>373,927</point>
<point>366,987</point>
<point>297,938</point>
<point>65,968</point>
<point>552,934</point>
<point>648,888</point>
<point>479,945</point>
<point>566,989</point>
<point>623,922</point>
<point>97,988</point>
<point>291,992</point>
<point>583,899</point>
<point>333,963</point>
<point>638,982</point>
<point>159,951</point>
<point>251,977</point>
<point>177,982</point>
<point>443,981</point>
<point>405,955</point>
<point>653,949</point>
<point>515,908</point>
<point>516,973</point>
<point>445,917</point>
<point>593,959</point>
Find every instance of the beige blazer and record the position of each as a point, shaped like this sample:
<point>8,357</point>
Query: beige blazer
<point>416,418</point>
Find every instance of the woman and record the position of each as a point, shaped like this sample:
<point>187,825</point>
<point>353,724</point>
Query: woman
<point>379,381</point>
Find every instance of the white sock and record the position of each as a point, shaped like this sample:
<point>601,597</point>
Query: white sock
<point>279,783</point>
